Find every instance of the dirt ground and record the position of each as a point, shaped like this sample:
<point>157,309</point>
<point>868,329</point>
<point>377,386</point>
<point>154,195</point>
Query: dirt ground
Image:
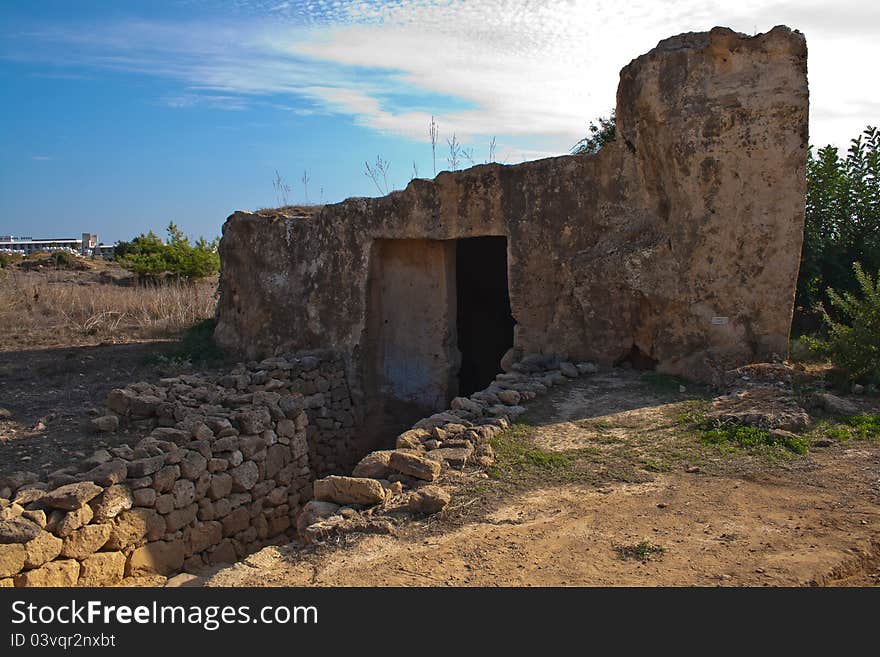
<point>70,335</point>
<point>603,468</point>
<point>738,519</point>
<point>50,393</point>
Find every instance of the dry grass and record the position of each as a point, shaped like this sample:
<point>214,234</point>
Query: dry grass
<point>52,308</point>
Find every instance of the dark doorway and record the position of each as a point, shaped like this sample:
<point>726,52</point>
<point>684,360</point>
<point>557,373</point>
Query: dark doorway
<point>485,323</point>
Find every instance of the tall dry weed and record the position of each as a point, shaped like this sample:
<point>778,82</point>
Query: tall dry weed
<point>55,308</point>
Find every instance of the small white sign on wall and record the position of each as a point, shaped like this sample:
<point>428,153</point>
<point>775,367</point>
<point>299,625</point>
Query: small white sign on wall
<point>719,321</point>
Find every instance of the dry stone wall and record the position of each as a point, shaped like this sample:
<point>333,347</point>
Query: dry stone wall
<point>414,477</point>
<point>224,465</point>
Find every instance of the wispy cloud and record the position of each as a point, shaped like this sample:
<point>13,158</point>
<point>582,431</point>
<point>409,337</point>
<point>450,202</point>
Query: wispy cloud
<point>41,158</point>
<point>529,71</point>
<point>213,101</point>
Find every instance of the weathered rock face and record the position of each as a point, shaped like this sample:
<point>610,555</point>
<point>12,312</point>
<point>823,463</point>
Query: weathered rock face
<point>676,246</point>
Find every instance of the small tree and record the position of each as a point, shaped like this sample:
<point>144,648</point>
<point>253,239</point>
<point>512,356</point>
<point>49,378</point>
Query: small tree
<point>854,343</point>
<point>149,257</point>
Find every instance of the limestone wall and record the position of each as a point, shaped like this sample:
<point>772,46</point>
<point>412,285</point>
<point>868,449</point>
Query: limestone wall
<point>221,466</point>
<point>678,243</point>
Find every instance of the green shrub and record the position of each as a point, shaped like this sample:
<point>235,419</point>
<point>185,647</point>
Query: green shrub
<point>853,343</point>
<point>842,224</point>
<point>9,259</point>
<point>149,257</point>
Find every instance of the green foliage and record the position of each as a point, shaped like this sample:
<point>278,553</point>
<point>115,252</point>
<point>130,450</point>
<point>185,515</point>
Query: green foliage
<point>643,551</point>
<point>746,437</point>
<point>853,343</point>
<point>150,257</point>
<point>844,429</point>
<point>600,134</point>
<point>864,427</point>
<point>9,259</point>
<point>842,224</point>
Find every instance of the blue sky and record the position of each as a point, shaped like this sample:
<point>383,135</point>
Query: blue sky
<point>120,116</point>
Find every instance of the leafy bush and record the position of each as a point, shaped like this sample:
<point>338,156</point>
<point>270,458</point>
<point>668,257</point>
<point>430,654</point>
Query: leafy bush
<point>149,257</point>
<point>842,224</point>
<point>853,343</point>
<point>600,134</point>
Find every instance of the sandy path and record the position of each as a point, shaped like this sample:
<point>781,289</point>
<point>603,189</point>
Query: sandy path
<point>819,525</point>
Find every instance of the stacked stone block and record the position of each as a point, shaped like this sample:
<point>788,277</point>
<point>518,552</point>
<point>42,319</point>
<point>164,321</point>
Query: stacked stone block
<point>220,468</point>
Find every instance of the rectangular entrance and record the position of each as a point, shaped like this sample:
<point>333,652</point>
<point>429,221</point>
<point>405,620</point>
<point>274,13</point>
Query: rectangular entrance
<point>438,323</point>
<point>485,323</point>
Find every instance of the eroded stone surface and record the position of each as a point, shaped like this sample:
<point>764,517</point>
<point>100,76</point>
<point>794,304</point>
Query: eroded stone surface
<point>676,245</point>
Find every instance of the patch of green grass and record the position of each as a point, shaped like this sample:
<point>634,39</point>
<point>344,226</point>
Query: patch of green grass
<point>747,437</point>
<point>644,551</point>
<point>515,454</point>
<point>693,412</point>
<point>844,429</point>
<point>840,434</point>
<point>864,427</point>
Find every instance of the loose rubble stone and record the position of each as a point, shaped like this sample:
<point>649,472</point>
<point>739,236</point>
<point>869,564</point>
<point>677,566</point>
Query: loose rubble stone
<point>429,500</point>
<point>457,457</point>
<point>509,397</point>
<point>835,405</point>
<point>18,530</point>
<point>412,439</point>
<point>183,580</point>
<point>349,490</point>
<point>414,465</point>
<point>106,474</point>
<point>375,465</point>
<point>71,496</point>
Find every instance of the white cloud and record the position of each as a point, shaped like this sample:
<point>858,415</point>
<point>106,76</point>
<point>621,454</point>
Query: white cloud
<point>530,72</point>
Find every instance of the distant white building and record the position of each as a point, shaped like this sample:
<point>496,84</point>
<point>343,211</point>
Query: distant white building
<point>86,245</point>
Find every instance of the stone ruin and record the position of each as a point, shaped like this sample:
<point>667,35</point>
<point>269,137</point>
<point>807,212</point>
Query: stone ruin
<point>675,247</point>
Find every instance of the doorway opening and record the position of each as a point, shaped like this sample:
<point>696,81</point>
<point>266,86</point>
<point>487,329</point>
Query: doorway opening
<point>484,320</point>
